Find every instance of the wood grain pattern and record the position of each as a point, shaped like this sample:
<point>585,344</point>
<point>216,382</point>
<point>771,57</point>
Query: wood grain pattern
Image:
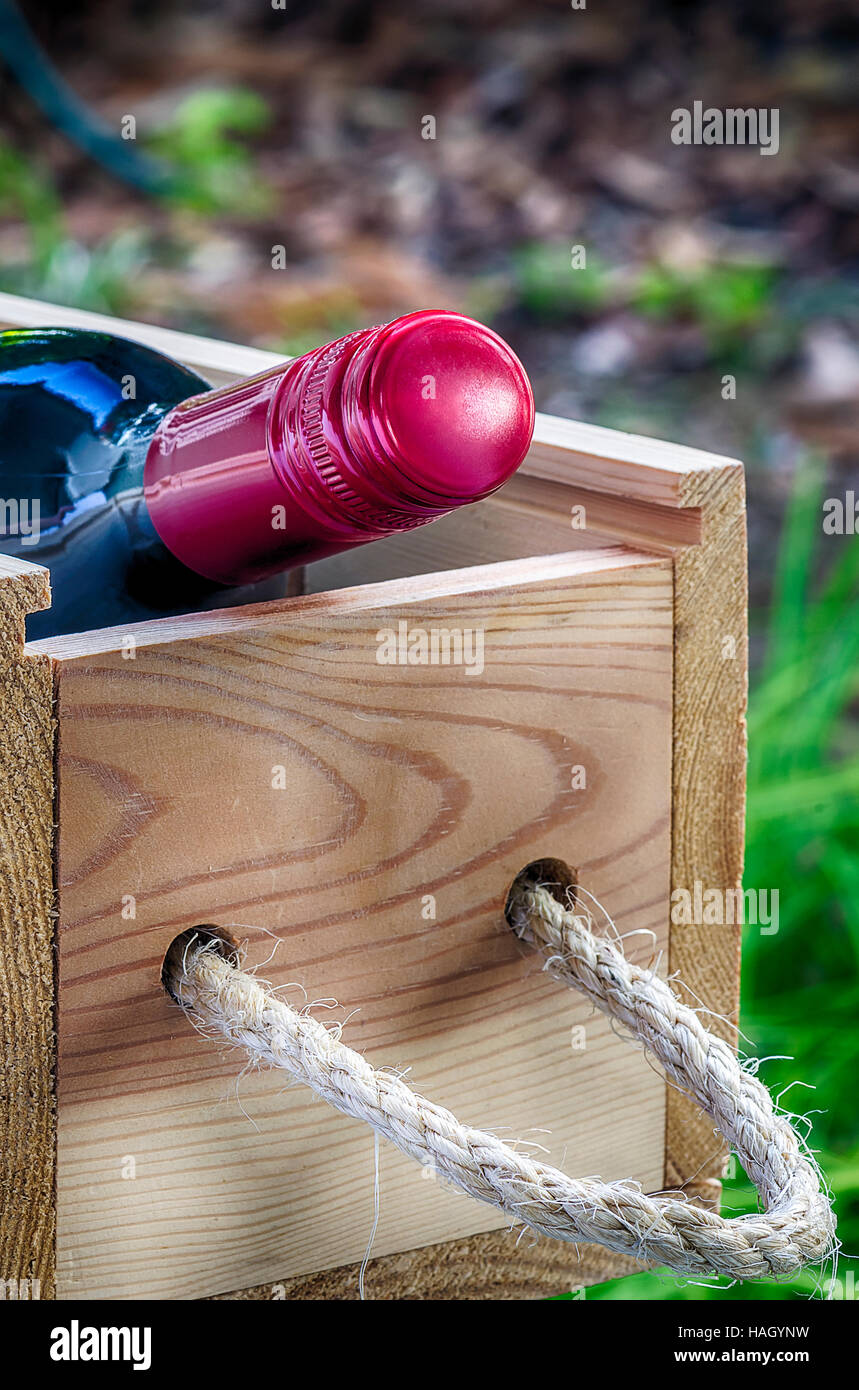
<point>27,1114</point>
<point>709,771</point>
<point>496,1265</point>
<point>401,782</point>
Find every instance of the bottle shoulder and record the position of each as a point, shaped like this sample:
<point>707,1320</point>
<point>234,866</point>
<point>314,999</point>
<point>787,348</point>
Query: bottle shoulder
<point>77,405</point>
<point>98,368</point>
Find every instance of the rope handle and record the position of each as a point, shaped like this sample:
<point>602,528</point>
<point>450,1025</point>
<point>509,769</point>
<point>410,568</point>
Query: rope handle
<point>796,1227</point>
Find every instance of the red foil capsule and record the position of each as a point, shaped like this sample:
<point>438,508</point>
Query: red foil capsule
<point>379,432</point>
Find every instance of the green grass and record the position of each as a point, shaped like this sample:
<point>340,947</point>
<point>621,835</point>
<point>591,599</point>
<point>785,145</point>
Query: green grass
<point>726,300</point>
<point>217,172</point>
<point>53,265</point>
<point>733,303</point>
<point>550,288</point>
<point>800,987</point>
<point>206,142</point>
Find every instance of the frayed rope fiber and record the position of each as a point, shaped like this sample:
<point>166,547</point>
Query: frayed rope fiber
<point>796,1228</point>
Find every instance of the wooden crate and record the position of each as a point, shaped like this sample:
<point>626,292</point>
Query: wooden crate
<point>259,767</point>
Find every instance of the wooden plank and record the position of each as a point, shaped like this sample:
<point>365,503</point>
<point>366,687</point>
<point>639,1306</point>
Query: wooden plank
<point>708,791</point>
<point>27,1115</point>
<point>402,782</point>
<point>622,465</point>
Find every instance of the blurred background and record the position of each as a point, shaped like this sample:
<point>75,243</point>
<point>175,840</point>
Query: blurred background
<point>279,172</point>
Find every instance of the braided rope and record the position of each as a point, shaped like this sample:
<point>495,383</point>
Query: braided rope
<point>797,1227</point>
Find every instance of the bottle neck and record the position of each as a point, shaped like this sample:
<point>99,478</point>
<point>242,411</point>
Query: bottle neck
<point>234,486</point>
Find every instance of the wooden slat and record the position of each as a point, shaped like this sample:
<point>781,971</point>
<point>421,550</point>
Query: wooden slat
<point>402,782</point>
<point>622,465</point>
<point>709,772</point>
<point>27,1114</point>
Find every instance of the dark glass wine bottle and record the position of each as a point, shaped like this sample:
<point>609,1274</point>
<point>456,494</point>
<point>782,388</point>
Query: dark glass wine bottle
<point>148,494</point>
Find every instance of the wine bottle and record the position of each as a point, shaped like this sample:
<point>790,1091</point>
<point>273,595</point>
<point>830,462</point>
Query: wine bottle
<point>148,494</point>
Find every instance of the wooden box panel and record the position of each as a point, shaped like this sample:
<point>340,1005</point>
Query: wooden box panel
<point>398,783</point>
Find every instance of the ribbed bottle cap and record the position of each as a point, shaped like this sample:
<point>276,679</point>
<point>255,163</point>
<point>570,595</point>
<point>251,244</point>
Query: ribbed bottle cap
<point>450,404</point>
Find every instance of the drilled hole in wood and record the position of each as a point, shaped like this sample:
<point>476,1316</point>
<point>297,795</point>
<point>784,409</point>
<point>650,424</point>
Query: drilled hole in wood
<point>207,935</point>
<point>554,875</point>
